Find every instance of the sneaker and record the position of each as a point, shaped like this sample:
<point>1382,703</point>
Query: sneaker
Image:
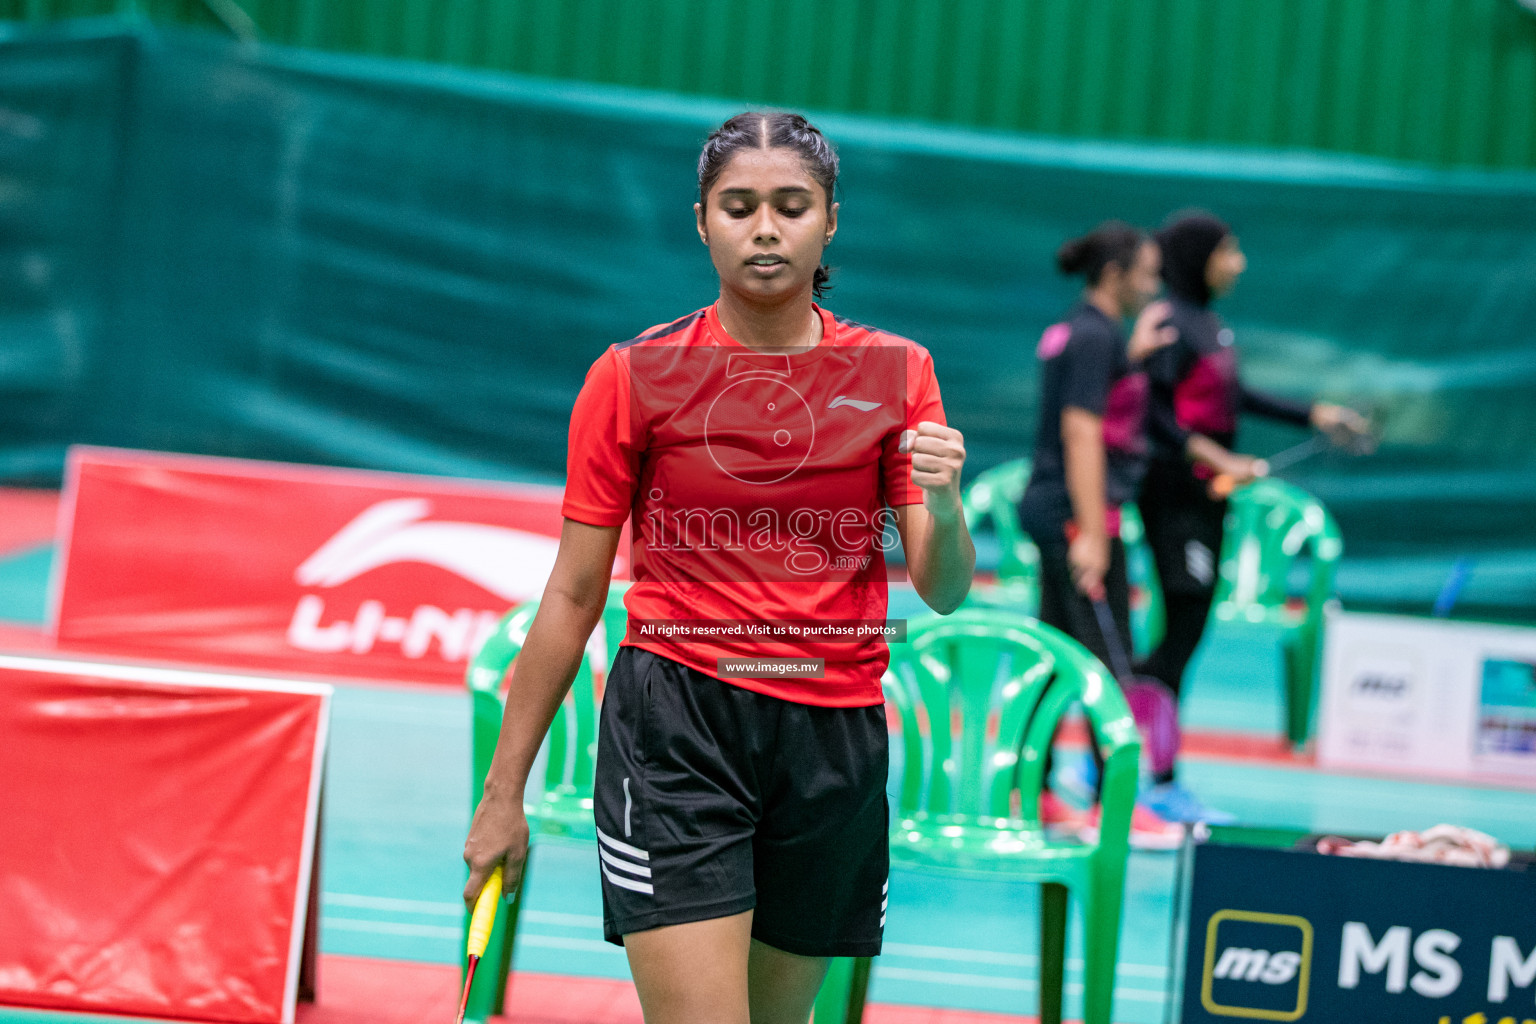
<point>1149,831</point>
<point>1057,814</point>
<point>1173,802</point>
<point>1077,776</point>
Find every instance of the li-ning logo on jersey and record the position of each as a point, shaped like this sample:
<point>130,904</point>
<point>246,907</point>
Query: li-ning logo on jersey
<point>760,429</point>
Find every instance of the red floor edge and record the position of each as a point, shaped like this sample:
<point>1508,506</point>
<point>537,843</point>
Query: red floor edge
<point>359,990</point>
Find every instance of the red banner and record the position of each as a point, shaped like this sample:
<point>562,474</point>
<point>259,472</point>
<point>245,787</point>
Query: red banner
<point>298,569</point>
<point>159,832</point>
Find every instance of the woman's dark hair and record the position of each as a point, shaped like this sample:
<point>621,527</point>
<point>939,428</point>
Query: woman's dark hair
<point>1187,239</point>
<point>1113,241</point>
<point>772,130</point>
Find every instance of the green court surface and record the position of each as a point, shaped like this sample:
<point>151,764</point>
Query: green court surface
<point>397,805</point>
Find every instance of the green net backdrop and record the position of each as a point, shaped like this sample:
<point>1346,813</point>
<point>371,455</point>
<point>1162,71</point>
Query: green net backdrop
<point>273,253</point>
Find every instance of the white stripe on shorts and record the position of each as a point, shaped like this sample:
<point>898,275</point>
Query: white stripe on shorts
<point>618,847</point>
<point>626,883</point>
<point>623,865</point>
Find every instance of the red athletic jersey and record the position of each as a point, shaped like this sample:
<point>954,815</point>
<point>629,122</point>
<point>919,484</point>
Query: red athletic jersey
<point>756,485</point>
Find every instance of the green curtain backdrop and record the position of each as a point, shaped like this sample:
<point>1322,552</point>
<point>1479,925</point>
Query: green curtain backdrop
<point>272,253</point>
<point>1442,82</point>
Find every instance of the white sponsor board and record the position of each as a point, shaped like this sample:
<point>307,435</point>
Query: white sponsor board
<point>1428,697</point>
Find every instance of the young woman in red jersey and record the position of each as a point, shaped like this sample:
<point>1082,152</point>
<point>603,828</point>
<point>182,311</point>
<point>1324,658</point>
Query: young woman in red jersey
<point>758,448</point>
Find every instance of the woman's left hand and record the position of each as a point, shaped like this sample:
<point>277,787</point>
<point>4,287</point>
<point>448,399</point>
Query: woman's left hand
<point>1152,331</point>
<point>938,455</point>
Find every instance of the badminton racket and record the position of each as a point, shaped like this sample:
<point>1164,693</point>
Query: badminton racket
<point>1223,484</point>
<point>1152,704</point>
<point>480,924</point>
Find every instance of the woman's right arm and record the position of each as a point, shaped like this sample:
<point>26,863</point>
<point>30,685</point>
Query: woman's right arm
<point>1239,468</point>
<point>568,612</point>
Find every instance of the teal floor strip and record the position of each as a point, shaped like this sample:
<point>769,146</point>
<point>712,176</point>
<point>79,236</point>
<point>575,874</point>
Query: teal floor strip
<point>24,585</point>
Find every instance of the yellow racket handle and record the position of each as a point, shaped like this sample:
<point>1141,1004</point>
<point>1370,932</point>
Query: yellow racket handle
<point>484,917</point>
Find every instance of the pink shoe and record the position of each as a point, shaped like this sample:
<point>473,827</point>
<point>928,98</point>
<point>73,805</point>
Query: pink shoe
<point>1056,813</point>
<point>1148,830</point>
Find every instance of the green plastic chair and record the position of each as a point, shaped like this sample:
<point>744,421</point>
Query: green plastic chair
<point>1147,616</point>
<point>1270,525</point>
<point>565,807</point>
<point>978,695</point>
<point>991,504</point>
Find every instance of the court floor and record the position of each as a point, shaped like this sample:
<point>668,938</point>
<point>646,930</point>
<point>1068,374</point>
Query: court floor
<point>399,803</point>
<point>397,806</point>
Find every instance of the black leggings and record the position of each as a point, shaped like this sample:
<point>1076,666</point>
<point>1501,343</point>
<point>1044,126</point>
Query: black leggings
<point>1184,530</point>
<point>1064,606</point>
<point>1185,616</point>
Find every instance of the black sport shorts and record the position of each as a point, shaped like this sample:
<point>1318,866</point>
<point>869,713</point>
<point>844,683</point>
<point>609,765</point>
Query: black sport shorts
<point>712,800</point>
